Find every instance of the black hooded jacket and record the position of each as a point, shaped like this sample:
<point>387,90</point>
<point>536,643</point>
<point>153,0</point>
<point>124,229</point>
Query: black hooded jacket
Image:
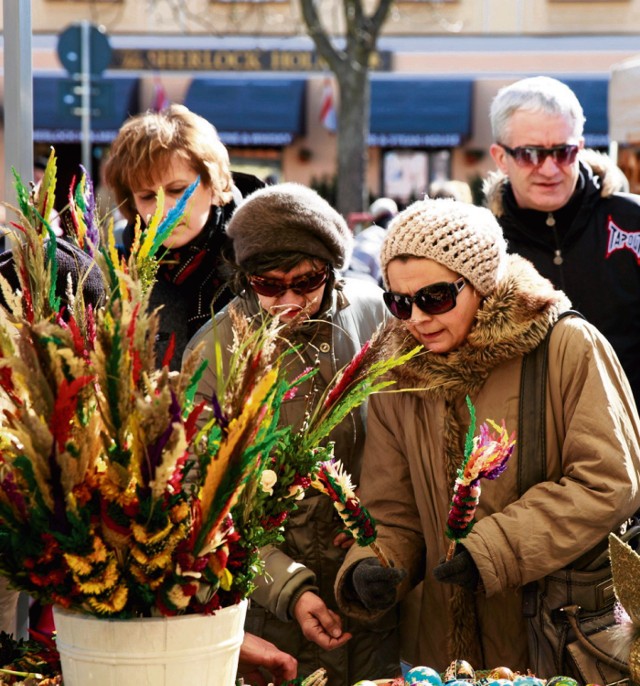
<point>592,253</point>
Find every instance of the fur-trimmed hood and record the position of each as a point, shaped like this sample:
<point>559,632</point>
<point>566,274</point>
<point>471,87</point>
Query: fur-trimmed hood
<point>606,173</point>
<point>510,323</point>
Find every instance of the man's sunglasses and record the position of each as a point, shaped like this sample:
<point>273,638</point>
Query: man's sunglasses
<point>535,155</point>
<point>437,298</point>
<point>274,288</point>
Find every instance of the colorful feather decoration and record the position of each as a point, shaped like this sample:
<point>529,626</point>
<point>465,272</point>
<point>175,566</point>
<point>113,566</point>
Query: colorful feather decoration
<point>173,218</point>
<point>112,500</point>
<point>352,386</point>
<point>485,457</point>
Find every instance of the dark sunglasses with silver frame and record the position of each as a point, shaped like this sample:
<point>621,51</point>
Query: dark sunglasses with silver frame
<point>535,155</point>
<point>437,298</point>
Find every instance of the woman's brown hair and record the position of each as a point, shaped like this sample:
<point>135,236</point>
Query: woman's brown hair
<point>147,142</point>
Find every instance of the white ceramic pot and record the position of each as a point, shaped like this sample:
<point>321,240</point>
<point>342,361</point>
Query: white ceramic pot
<point>158,651</point>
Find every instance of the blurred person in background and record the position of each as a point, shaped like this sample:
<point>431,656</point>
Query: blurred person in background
<point>451,188</point>
<point>365,260</point>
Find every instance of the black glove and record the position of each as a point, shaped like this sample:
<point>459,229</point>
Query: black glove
<point>461,570</point>
<point>375,585</point>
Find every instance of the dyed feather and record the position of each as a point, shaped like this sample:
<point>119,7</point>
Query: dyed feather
<point>173,218</point>
<point>232,462</point>
<point>486,457</point>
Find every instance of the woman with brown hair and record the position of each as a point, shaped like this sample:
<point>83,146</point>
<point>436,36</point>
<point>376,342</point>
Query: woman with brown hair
<point>171,150</point>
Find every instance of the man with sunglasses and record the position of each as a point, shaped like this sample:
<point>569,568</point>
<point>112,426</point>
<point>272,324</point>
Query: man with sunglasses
<point>288,247</point>
<point>563,211</point>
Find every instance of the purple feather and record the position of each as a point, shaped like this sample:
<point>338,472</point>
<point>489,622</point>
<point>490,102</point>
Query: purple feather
<point>93,235</point>
<point>154,454</point>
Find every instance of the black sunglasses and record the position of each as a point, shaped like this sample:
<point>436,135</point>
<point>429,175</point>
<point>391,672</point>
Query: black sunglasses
<point>301,285</point>
<point>437,298</point>
<point>535,155</point>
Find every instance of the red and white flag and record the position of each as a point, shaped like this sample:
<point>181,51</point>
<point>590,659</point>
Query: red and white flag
<point>160,99</point>
<point>328,114</point>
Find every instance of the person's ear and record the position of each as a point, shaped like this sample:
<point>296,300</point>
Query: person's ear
<point>499,156</point>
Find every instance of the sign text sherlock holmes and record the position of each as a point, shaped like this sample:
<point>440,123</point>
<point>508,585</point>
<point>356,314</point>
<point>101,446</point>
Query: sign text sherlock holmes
<point>231,60</point>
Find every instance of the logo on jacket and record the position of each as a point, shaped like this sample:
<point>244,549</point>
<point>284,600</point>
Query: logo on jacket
<point>620,239</point>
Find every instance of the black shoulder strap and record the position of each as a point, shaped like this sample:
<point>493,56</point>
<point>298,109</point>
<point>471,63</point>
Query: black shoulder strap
<point>532,449</point>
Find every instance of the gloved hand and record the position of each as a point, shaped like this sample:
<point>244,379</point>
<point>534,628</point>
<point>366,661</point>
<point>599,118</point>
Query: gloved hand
<point>461,570</point>
<point>374,585</point>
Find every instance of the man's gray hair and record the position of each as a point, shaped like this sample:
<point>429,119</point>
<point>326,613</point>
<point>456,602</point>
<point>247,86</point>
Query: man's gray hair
<point>535,94</point>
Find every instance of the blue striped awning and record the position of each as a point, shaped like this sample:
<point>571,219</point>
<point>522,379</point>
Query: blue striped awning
<point>408,112</point>
<point>250,111</point>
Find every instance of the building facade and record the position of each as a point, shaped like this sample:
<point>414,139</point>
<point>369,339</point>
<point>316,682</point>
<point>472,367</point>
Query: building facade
<point>250,68</point>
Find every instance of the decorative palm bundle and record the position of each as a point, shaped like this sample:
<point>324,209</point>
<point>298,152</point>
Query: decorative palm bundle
<point>112,500</point>
<point>485,457</point>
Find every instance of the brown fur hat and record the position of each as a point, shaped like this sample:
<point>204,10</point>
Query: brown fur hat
<point>289,217</point>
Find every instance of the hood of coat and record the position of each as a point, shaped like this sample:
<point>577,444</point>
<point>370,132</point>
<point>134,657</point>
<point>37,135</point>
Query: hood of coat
<point>510,323</point>
<point>603,170</point>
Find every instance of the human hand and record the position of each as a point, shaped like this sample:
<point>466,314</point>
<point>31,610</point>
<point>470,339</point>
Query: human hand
<point>461,570</point>
<point>376,585</point>
<point>343,540</point>
<point>256,653</point>
<point>318,623</point>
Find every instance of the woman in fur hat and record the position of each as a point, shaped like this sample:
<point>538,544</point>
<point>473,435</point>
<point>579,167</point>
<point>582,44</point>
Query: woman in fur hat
<point>478,311</point>
<point>170,150</point>
<point>288,245</point>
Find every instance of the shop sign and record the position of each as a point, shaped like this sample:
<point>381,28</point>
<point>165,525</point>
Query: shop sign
<point>231,60</point>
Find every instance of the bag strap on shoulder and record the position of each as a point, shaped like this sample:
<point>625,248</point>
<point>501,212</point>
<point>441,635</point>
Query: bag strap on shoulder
<point>532,448</point>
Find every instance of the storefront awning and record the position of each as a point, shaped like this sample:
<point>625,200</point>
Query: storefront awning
<point>593,95</point>
<point>55,99</point>
<point>250,111</point>
<point>408,113</point>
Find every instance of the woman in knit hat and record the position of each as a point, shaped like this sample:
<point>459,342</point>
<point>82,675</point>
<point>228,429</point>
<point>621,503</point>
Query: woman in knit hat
<point>288,245</point>
<point>478,312</point>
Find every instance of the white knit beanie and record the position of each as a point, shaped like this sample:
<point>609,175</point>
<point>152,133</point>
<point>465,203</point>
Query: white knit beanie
<point>465,238</point>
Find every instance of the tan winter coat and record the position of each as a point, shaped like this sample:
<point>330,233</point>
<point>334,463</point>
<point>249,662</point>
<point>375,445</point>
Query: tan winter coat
<point>308,560</point>
<point>415,443</point>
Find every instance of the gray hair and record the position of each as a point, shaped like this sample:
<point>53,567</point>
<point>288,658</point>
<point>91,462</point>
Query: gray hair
<point>535,94</point>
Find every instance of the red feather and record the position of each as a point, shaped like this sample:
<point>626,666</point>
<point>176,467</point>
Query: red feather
<point>171,348</point>
<point>65,407</point>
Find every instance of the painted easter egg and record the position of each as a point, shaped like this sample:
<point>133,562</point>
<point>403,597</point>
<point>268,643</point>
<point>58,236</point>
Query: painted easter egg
<point>492,681</point>
<point>419,675</point>
<point>365,682</point>
<point>527,680</point>
<point>459,670</point>
<point>561,681</point>
<point>501,673</point>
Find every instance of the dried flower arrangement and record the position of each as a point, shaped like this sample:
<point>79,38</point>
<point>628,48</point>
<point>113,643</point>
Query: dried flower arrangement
<point>112,500</point>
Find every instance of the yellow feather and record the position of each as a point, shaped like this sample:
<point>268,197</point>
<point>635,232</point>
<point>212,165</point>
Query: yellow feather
<point>152,228</point>
<point>229,447</point>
